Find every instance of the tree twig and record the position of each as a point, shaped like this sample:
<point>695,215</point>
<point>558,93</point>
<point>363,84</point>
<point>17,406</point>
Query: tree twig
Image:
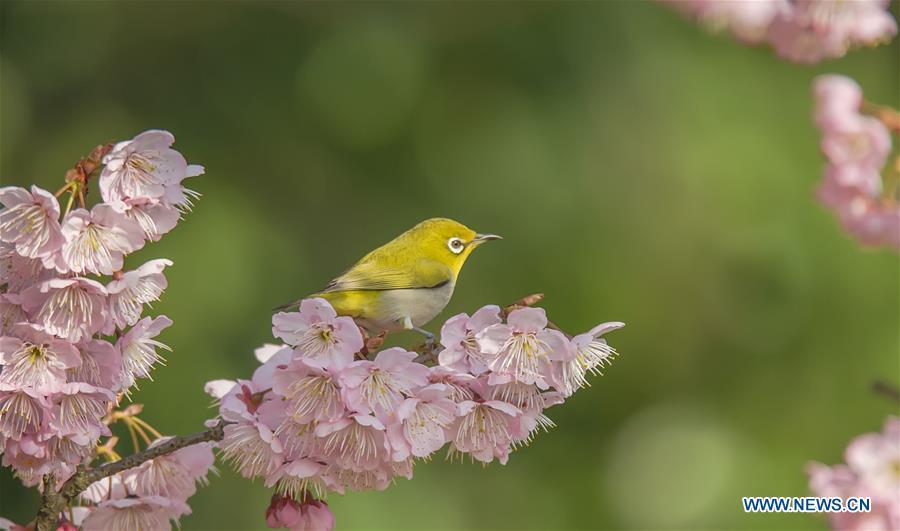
<point>54,501</point>
<point>885,389</point>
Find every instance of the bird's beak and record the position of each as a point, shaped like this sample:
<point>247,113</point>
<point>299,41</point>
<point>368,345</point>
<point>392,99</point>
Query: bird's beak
<point>481,238</point>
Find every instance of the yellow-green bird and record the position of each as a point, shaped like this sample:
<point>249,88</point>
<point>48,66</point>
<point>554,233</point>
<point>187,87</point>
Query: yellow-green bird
<point>406,282</point>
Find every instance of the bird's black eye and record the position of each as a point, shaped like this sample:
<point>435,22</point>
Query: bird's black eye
<point>456,245</point>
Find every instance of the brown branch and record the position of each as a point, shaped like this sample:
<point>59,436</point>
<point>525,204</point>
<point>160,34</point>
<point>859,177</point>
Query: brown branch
<point>55,501</point>
<point>885,389</point>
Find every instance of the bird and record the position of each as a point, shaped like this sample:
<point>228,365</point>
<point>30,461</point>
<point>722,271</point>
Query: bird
<point>406,282</point>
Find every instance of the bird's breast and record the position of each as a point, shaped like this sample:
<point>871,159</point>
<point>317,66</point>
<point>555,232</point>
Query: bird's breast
<point>421,305</point>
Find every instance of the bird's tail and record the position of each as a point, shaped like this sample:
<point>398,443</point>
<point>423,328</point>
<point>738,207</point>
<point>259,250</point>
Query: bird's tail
<point>296,303</point>
<point>287,306</point>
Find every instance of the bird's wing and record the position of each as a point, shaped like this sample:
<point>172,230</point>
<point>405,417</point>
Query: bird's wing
<point>424,273</point>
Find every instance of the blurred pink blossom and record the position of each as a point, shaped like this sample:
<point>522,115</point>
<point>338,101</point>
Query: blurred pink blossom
<point>801,31</point>
<point>856,147</point>
<point>873,460</point>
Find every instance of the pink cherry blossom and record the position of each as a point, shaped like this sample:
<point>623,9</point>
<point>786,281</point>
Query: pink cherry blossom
<point>873,222</point>
<point>71,449</point>
<point>154,219</point>
<point>381,385</point>
<point>311,426</point>
<point>485,430</point>
<point>315,516</point>
<point>592,353</point>
<point>101,364</point>
<point>145,167</point>
<point>356,442</point>
<point>219,388</point>
<point>521,395</point>
<point>33,358</point>
<point>272,357</point>
<point>812,30</point>
<point>283,511</point>
<point>181,197</point>
<point>459,385</point>
<point>28,457</point>
<point>109,488</point>
<point>309,515</point>
<point>298,439</point>
<point>522,349</point>
<point>875,459</point>
<point>18,272</point>
<point>836,98</point>
<point>421,423</point>
<point>174,475</point>
<point>748,21</point>
<point>310,393</point>
<point>30,220</point>
<point>461,350</point>
<point>22,410</point>
<point>147,512</point>
<point>871,471</point>
<point>129,293</point>
<point>11,312</point>
<point>70,308</point>
<point>296,477</point>
<point>341,479</point>
<point>97,241</point>
<point>534,420</point>
<point>322,339</point>
<point>78,409</point>
<point>138,349</point>
<point>858,147</point>
<point>252,448</point>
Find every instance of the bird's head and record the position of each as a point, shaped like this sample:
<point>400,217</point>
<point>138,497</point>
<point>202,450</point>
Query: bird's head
<point>447,241</point>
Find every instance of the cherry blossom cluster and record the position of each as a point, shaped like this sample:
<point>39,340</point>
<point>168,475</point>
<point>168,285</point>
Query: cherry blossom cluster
<point>801,31</point>
<point>871,471</point>
<point>857,147</point>
<point>73,338</point>
<point>323,413</point>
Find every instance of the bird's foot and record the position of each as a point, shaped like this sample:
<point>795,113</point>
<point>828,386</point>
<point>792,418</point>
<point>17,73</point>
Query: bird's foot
<point>427,349</point>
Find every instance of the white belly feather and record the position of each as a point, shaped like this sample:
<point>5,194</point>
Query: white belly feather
<point>419,305</point>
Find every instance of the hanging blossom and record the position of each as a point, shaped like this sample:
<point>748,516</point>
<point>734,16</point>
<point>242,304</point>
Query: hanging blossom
<point>74,338</point>
<point>322,413</point>
<point>801,31</point>
<point>859,184</point>
<point>871,470</point>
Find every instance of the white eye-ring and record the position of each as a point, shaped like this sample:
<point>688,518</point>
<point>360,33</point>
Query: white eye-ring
<point>456,245</point>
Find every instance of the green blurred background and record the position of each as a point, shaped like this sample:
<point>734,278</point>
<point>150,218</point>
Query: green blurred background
<point>639,168</point>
